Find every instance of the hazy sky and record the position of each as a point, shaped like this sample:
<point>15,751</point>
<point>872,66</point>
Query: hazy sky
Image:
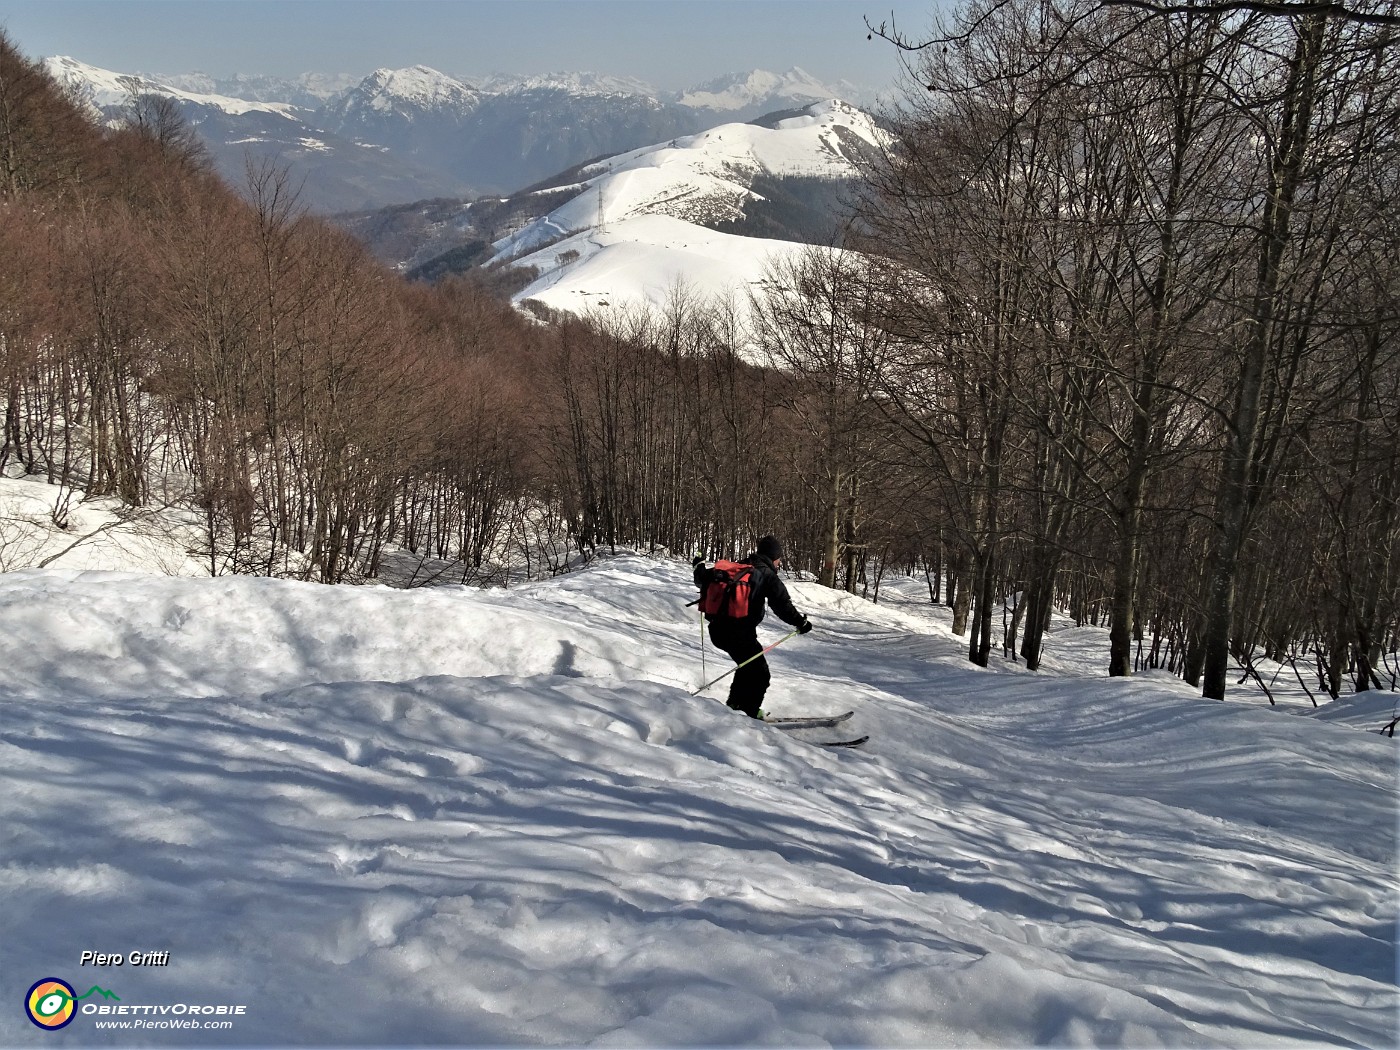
<point>669,43</point>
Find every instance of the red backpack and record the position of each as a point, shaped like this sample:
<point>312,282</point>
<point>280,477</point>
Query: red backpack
<point>729,590</point>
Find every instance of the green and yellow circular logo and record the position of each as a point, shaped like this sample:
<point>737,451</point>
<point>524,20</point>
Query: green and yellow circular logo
<point>49,1003</point>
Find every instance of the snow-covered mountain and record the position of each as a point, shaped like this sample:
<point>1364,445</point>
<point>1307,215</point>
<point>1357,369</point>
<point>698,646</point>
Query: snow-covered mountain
<point>759,91</point>
<point>735,96</point>
<point>707,177</point>
<point>635,227</point>
<point>399,94</point>
<point>337,173</point>
<point>417,114</point>
<point>107,90</point>
<point>511,133</point>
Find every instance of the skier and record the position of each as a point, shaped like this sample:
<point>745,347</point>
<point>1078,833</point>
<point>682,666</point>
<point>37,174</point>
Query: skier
<point>739,636</point>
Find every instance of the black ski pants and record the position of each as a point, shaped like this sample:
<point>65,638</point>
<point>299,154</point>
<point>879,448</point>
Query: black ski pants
<point>739,639</point>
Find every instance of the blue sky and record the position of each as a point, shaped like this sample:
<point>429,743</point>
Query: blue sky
<point>670,43</point>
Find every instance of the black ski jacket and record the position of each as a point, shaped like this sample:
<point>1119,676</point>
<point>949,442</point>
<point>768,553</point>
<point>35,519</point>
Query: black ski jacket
<point>768,590</point>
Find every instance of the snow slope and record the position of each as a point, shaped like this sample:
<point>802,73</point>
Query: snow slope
<point>456,817</point>
<point>631,235</point>
<point>94,534</point>
<point>706,176</point>
<point>645,261</point>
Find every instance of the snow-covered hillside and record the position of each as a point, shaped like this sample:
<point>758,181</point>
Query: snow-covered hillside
<point>705,177</point>
<point>631,232</point>
<point>44,525</point>
<point>644,262</point>
<point>456,817</point>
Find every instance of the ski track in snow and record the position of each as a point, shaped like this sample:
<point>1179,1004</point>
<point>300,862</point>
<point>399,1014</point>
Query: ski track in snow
<point>460,817</point>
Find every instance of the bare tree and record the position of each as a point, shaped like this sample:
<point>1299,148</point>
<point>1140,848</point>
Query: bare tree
<point>821,317</point>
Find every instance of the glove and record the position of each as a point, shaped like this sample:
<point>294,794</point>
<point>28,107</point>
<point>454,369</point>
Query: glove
<point>805,626</point>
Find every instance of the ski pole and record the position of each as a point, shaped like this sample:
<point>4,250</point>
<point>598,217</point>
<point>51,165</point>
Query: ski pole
<point>697,561</point>
<point>750,660</point>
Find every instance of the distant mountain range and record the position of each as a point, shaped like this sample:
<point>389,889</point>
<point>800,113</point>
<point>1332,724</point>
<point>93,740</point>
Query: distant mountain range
<point>398,136</point>
<point>747,95</point>
<point>308,91</point>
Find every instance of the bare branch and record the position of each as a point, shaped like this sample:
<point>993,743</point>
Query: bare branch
<point>1285,8</point>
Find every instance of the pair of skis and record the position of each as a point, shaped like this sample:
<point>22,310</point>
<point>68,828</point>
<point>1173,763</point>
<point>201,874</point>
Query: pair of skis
<point>818,722</point>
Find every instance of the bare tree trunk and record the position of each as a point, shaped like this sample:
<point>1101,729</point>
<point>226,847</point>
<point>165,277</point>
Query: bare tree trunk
<point>1125,577</point>
<point>960,593</point>
<point>832,556</point>
<point>1235,498</point>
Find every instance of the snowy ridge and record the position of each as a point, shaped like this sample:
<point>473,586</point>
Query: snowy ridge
<point>309,91</point>
<point>418,88</point>
<point>736,91</point>
<point>706,176</point>
<point>580,83</point>
<point>105,88</point>
<point>814,142</point>
<point>632,232</point>
<point>506,809</point>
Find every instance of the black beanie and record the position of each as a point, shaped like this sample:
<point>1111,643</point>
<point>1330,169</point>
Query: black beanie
<point>770,548</point>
